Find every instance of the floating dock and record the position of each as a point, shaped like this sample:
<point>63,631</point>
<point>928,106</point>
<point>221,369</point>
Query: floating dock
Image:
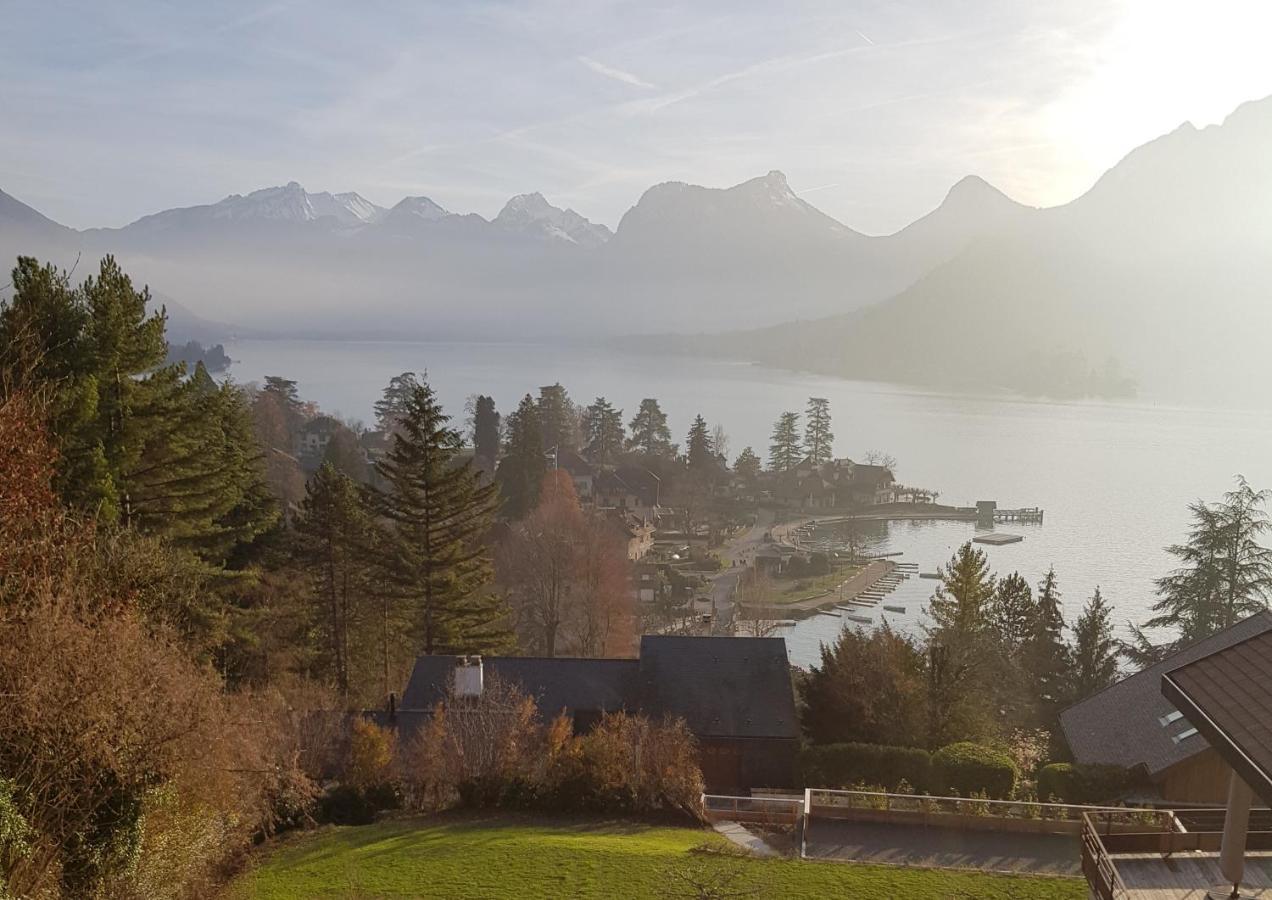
<point>997,538</point>
<point>895,609</point>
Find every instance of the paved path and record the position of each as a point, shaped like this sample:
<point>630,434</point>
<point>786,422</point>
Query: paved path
<point>916,845</point>
<point>735,555</point>
<point>753,843</point>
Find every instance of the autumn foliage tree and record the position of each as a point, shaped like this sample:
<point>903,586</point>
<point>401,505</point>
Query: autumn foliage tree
<point>567,578</point>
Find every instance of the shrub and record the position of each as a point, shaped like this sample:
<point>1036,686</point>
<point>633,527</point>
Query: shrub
<point>968,768</point>
<point>1069,783</point>
<point>839,765</point>
<point>370,754</point>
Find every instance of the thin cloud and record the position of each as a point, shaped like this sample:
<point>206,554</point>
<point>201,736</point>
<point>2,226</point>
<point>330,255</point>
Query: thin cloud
<point>820,187</point>
<point>616,74</point>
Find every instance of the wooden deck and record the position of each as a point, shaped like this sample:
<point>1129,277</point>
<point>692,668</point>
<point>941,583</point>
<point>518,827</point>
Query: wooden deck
<point>1188,876</point>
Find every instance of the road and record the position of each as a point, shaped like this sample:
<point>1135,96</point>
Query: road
<point>735,555</point>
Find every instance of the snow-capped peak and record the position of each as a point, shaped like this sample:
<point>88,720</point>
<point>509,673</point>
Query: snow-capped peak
<point>292,203</point>
<point>419,208</point>
<point>534,215</point>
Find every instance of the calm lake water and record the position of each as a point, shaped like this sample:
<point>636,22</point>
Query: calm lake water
<point>1114,478</point>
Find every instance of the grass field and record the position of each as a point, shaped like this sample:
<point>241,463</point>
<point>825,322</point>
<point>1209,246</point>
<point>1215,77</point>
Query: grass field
<point>497,856</point>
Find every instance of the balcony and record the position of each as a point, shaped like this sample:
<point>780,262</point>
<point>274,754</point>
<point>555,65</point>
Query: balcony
<point>1176,863</point>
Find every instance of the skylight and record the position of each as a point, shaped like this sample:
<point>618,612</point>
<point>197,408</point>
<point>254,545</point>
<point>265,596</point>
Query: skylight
<point>1184,735</point>
<point>1173,716</point>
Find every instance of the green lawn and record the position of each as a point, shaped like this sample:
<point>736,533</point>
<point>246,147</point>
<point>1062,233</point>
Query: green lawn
<point>494,856</point>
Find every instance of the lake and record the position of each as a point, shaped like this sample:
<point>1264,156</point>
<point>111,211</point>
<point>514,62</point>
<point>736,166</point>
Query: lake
<point>1114,478</point>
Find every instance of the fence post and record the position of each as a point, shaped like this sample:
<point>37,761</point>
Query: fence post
<point>806,820</point>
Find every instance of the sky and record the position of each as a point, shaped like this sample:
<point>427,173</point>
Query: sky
<point>112,110</point>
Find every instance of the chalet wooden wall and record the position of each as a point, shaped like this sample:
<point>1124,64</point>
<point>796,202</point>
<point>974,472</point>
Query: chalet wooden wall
<point>1200,779</point>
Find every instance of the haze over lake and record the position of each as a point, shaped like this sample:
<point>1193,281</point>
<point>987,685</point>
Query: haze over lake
<point>1114,478</point>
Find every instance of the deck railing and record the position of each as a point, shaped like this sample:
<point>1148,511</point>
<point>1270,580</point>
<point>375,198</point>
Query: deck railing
<point>1097,865</point>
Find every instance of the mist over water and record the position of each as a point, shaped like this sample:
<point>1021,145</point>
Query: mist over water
<point>1114,478</point>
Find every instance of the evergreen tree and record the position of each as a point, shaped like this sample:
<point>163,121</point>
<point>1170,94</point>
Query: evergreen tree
<point>141,443</point>
<point>603,432</point>
<point>649,432</point>
<point>558,419</point>
<point>332,544</point>
<point>438,514</point>
<point>785,450</point>
<point>393,402</point>
<point>283,392</point>
<point>818,438</point>
<point>747,465</point>
<point>1013,612</point>
<point>700,455</point>
<point>485,433</point>
<point>1225,575</point>
<point>520,473</point>
<point>345,454</point>
<point>961,658</point>
<point>963,598</point>
<point>1094,650</point>
<point>1046,653</point>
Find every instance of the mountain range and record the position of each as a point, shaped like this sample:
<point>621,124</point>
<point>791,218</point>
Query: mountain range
<point>1161,272</point>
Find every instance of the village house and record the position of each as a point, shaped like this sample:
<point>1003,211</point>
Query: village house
<point>1131,725</point>
<point>629,488</point>
<point>312,440</point>
<point>581,473</point>
<point>638,533</point>
<point>735,695</point>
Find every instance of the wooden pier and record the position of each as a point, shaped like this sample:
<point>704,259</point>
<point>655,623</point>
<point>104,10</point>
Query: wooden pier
<point>1026,514</point>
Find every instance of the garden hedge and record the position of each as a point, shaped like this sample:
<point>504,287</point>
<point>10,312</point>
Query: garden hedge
<point>843,765</point>
<point>1069,783</point>
<point>966,768</point>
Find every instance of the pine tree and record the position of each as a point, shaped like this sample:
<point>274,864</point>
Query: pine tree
<point>962,602</point>
<point>141,443</point>
<point>520,473</point>
<point>284,393</point>
<point>1046,653</point>
<point>332,544</point>
<point>785,451</point>
<point>393,402</point>
<point>700,455</point>
<point>1013,612</point>
<point>558,419</point>
<point>747,465</point>
<point>486,433</point>
<point>1094,650</point>
<point>818,438</point>
<point>1225,574</point>
<point>603,432</point>
<point>649,432</point>
<point>960,649</point>
<point>438,513</point>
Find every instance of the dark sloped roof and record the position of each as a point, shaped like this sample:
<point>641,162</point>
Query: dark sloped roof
<point>722,687</point>
<point>728,687</point>
<point>1227,697</point>
<point>1122,725</point>
<point>556,684</point>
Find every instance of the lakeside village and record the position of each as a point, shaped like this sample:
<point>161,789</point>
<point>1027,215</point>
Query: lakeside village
<point>739,550</point>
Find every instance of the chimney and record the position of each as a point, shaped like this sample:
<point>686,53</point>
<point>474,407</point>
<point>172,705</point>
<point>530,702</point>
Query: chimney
<point>468,676</point>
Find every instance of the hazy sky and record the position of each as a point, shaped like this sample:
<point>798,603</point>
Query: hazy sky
<point>113,109</point>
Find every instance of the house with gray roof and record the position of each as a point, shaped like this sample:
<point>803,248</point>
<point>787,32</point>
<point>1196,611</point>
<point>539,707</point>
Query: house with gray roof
<point>734,694</point>
<point>1132,725</point>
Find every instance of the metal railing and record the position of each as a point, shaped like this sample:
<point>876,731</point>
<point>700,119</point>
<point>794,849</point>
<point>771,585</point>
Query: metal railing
<point>753,810</point>
<point>825,798</point>
<point>1097,866</point>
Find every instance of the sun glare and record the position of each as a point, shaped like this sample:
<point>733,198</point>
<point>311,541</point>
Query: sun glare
<point>1163,63</point>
